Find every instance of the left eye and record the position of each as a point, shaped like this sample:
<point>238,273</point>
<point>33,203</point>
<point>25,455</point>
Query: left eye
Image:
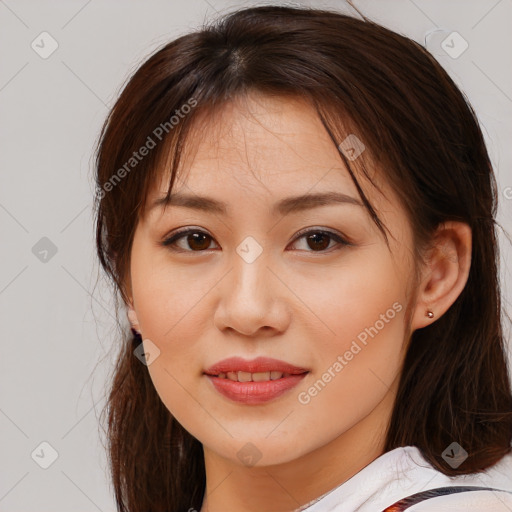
<point>199,241</point>
<point>317,239</point>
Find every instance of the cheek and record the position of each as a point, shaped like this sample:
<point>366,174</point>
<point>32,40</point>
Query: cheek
<point>175,383</point>
<point>168,304</point>
<point>350,296</point>
<point>168,297</point>
<point>361,312</point>
<point>175,325</point>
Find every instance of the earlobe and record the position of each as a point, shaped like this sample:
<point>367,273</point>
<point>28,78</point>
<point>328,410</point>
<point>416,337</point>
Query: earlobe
<point>446,273</point>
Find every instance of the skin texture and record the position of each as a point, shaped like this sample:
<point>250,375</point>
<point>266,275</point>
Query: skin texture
<point>298,302</point>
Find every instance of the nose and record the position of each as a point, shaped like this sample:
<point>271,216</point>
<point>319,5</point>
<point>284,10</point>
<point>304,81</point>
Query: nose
<point>252,300</point>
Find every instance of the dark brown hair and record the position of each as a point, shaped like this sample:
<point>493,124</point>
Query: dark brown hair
<point>419,131</point>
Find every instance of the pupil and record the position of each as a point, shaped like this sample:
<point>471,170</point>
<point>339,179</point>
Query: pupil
<point>193,239</point>
<point>316,236</point>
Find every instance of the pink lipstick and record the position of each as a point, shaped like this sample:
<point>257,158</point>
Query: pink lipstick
<point>254,381</point>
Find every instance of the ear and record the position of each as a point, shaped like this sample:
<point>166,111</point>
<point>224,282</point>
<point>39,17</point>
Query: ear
<point>445,272</point>
<point>132,317</point>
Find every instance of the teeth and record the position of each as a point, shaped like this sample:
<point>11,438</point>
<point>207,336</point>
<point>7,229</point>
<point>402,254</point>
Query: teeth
<point>255,377</point>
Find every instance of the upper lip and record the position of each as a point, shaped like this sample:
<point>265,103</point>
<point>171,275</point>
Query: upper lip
<point>260,364</point>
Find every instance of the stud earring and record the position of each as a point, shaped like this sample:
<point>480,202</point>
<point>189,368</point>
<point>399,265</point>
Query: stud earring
<point>430,314</point>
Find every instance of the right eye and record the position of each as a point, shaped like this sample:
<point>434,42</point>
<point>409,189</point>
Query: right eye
<point>196,239</point>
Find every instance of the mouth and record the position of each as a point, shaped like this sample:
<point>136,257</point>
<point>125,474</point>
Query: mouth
<point>240,376</point>
<point>254,382</point>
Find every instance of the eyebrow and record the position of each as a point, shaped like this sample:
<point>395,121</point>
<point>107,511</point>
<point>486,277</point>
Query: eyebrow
<point>283,207</point>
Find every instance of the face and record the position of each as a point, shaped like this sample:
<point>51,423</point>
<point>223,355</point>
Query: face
<point>309,283</point>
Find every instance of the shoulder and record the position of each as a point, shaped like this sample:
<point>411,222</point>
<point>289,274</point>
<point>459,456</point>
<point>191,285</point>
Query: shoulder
<point>403,473</point>
<point>487,490</point>
<point>419,487</point>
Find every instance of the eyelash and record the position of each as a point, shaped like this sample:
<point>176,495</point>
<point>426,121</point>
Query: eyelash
<point>171,240</point>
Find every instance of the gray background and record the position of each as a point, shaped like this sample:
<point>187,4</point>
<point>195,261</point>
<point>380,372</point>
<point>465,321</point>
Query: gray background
<point>57,325</point>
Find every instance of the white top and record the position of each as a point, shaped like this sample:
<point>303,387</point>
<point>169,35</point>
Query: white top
<point>402,472</point>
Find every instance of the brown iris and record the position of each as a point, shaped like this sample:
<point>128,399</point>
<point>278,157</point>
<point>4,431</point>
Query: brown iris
<point>317,238</point>
<point>198,241</point>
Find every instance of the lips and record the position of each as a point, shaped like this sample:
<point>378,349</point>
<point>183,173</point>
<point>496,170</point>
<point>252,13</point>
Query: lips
<point>258,365</point>
<point>256,381</point>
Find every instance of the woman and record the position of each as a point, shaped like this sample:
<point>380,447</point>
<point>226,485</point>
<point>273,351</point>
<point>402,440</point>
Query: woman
<point>297,210</point>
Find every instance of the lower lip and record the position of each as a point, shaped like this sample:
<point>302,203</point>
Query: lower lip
<point>255,392</point>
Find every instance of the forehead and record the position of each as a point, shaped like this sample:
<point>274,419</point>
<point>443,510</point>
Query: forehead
<point>259,141</point>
